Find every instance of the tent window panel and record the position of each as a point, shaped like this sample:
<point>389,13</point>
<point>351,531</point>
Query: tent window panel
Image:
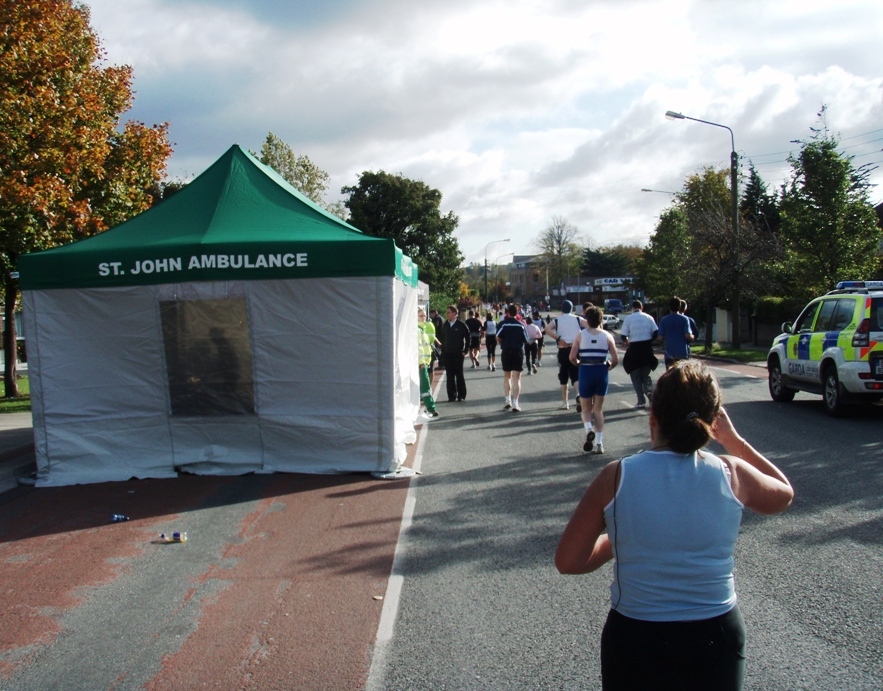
<point>208,357</point>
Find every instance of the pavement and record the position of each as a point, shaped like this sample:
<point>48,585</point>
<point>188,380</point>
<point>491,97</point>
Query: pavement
<point>16,449</point>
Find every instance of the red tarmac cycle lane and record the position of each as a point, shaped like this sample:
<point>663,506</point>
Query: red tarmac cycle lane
<point>279,585</point>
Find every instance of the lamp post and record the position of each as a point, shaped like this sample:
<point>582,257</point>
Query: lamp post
<point>492,242</point>
<point>645,189</point>
<point>734,200</point>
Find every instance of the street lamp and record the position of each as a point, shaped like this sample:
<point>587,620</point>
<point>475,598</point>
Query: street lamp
<point>734,200</point>
<point>645,189</point>
<point>492,242</point>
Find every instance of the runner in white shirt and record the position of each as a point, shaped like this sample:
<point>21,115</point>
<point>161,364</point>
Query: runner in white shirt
<point>564,330</point>
<point>638,332</point>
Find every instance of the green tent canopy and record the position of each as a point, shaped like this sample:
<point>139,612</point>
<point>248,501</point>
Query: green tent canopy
<point>233,222</point>
<point>235,327</point>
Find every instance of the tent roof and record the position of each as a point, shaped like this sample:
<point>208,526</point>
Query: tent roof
<point>239,220</point>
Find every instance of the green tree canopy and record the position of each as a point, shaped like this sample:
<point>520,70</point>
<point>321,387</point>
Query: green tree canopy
<point>661,266</point>
<point>757,204</point>
<point>618,260</point>
<point>829,226</point>
<point>695,254</point>
<point>408,211</point>
<point>67,170</point>
<point>304,175</point>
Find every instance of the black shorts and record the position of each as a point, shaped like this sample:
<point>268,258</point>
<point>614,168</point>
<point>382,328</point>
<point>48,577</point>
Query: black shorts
<point>703,654</point>
<point>512,359</point>
<point>566,369</point>
<point>474,342</point>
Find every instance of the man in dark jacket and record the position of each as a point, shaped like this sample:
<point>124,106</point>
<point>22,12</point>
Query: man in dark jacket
<point>455,347</point>
<point>512,338</point>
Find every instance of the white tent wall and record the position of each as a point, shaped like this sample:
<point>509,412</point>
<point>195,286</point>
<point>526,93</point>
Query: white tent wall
<point>407,376</point>
<point>96,373</point>
<point>334,364</point>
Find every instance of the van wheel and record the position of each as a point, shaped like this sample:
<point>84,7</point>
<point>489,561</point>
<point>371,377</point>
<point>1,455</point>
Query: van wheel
<point>833,394</point>
<point>778,391</point>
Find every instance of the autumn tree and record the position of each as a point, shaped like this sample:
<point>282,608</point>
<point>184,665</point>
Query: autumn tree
<point>560,249</point>
<point>68,169</point>
<point>409,212</point>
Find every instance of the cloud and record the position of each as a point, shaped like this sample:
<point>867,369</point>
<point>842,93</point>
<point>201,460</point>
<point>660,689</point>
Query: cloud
<point>515,110</point>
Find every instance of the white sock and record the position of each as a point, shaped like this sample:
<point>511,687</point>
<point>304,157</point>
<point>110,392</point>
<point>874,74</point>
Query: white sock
<point>599,438</point>
<point>588,427</point>
<point>508,399</point>
<point>515,403</point>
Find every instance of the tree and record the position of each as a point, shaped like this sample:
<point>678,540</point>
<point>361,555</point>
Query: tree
<point>829,226</point>
<point>66,170</point>
<point>661,269</point>
<point>560,249</point>
<point>618,260</point>
<point>304,175</point>
<point>694,254</point>
<point>758,205</point>
<point>408,211</point>
<point>722,266</point>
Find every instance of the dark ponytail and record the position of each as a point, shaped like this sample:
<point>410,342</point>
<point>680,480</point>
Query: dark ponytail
<point>686,401</point>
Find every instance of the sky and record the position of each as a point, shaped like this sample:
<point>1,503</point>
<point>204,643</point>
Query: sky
<point>517,111</point>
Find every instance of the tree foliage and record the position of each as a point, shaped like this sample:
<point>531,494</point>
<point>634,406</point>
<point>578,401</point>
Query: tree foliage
<point>304,175</point>
<point>695,254</point>
<point>618,260</point>
<point>828,223</point>
<point>560,249</point>
<point>757,205</point>
<point>67,171</point>
<point>662,265</point>
<point>409,212</point>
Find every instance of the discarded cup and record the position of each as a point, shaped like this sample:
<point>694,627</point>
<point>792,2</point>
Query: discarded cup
<point>174,537</point>
<point>118,518</point>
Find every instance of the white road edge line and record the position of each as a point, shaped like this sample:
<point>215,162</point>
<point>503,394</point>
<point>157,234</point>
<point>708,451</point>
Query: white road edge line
<point>396,579</point>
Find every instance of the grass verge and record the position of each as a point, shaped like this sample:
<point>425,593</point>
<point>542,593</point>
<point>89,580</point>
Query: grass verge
<point>16,405</point>
<point>747,354</point>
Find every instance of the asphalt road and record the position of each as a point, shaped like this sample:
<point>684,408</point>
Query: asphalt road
<point>284,583</point>
<point>482,606</point>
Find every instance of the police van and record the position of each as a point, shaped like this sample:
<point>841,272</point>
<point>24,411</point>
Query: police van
<point>834,348</point>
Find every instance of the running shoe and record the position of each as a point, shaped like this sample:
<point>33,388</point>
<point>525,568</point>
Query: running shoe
<point>590,440</point>
<point>599,448</point>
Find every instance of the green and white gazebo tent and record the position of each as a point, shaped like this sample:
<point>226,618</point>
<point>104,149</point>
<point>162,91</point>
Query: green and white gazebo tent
<point>235,327</point>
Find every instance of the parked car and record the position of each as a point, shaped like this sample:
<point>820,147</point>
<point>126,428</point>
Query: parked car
<point>611,322</point>
<point>834,348</point>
